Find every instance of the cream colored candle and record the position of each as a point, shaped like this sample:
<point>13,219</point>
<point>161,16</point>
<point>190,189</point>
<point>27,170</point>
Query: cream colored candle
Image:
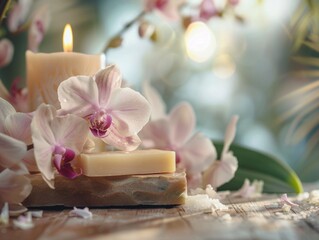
<point>45,71</point>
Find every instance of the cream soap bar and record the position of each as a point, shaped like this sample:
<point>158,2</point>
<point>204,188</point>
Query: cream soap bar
<point>119,163</point>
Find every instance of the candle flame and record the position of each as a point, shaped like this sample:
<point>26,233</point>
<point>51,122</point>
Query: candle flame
<point>67,38</point>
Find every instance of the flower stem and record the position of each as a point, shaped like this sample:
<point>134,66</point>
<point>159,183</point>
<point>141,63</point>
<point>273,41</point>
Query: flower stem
<point>124,29</point>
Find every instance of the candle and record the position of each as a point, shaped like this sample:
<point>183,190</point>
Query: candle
<point>45,71</point>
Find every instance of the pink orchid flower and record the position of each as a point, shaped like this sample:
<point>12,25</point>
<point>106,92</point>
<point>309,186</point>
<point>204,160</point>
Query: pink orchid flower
<point>14,186</point>
<point>18,14</point>
<point>17,97</point>
<point>223,170</point>
<point>207,10</point>
<point>169,8</point>
<point>114,114</point>
<point>6,52</point>
<point>175,131</point>
<point>39,26</point>
<point>15,124</point>
<point>57,140</point>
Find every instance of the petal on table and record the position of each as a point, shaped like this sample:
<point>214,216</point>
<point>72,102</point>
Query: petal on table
<point>79,95</point>
<point>107,80</point>
<point>130,111</point>
<point>181,123</point>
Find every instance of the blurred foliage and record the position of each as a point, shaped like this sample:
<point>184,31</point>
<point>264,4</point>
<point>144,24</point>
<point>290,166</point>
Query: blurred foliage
<point>304,24</point>
<point>4,7</point>
<point>302,113</point>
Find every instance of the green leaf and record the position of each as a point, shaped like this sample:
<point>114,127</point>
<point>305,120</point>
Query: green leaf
<point>278,177</point>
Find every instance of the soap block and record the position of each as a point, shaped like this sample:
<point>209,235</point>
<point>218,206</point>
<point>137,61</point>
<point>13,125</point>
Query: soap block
<point>133,190</point>
<point>118,163</point>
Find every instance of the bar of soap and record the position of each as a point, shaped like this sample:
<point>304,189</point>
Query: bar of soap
<point>148,190</point>
<point>118,163</point>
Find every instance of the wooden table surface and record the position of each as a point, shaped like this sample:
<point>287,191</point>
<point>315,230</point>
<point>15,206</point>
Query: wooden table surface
<point>258,218</point>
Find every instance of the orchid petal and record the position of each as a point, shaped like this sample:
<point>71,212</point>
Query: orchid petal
<point>29,161</point>
<point>156,134</point>
<point>6,52</point>
<point>79,95</point>
<point>11,151</point>
<point>43,140</point>
<point>221,172</point>
<point>130,111</point>
<point>39,25</point>
<point>182,123</point>
<point>18,14</point>
<point>197,154</point>
<point>18,126</point>
<point>14,188</point>
<point>107,80</point>
<point>207,10</point>
<point>115,139</point>
<point>229,135</point>
<point>5,110</point>
<point>157,104</point>
<point>70,131</point>
<point>4,93</point>
<point>194,180</point>
<point>68,171</point>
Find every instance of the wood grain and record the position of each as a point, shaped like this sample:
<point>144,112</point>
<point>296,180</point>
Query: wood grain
<point>259,218</point>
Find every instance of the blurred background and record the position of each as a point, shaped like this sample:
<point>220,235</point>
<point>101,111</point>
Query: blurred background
<point>254,58</point>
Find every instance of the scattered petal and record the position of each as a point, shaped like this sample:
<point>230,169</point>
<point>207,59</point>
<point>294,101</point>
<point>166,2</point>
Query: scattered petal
<point>37,214</point>
<point>4,216</point>
<point>24,222</point>
<point>284,199</point>
<point>249,190</point>
<point>84,213</point>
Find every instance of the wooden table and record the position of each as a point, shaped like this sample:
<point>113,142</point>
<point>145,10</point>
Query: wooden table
<point>258,218</point>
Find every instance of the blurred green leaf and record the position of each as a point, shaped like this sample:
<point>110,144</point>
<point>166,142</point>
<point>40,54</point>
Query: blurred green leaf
<point>278,177</point>
<point>4,7</point>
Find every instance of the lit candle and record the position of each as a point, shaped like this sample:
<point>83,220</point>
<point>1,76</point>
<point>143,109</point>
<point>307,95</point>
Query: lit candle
<point>45,71</point>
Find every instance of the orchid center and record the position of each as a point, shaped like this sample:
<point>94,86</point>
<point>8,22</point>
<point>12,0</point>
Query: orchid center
<point>100,122</point>
<point>62,158</point>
